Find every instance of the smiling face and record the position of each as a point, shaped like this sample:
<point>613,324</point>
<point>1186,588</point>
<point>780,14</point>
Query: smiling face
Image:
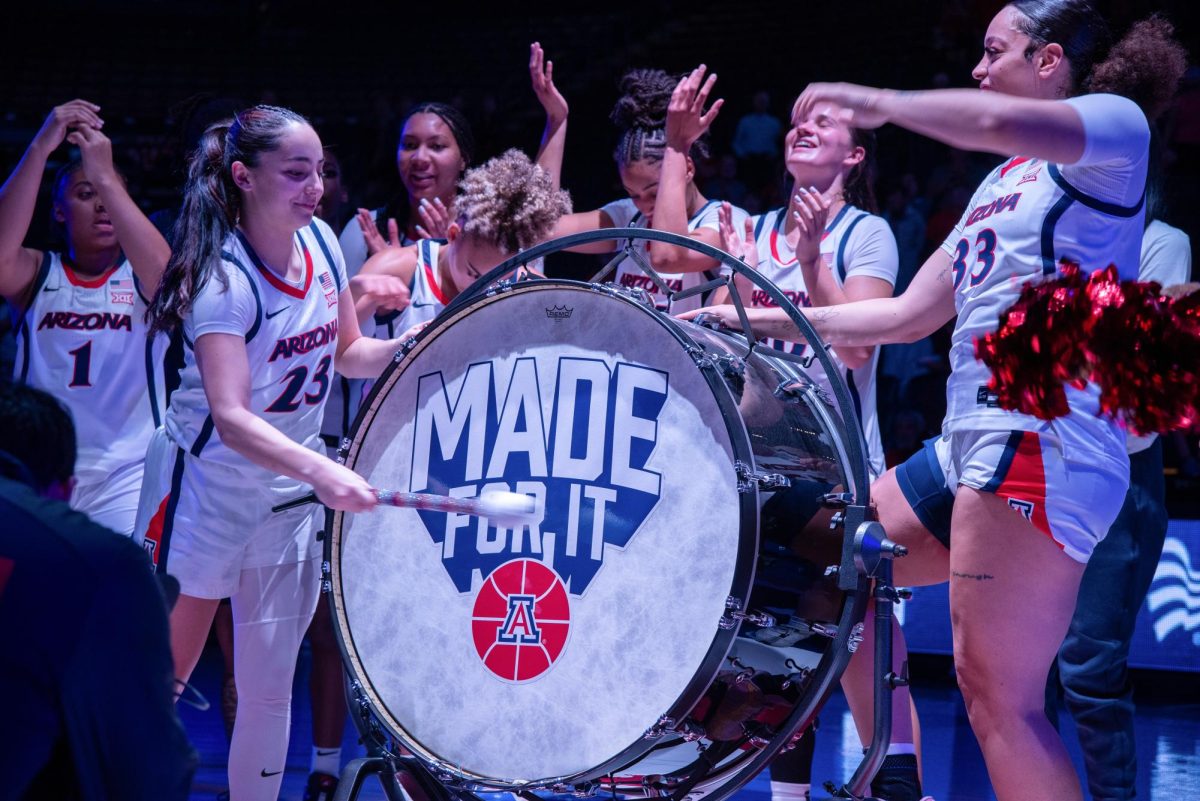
<point>282,191</point>
<point>1013,65</point>
<point>820,147</point>
<point>429,159</point>
<point>77,206</point>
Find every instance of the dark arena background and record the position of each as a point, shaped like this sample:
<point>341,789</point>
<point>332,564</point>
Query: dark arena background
<point>156,68</point>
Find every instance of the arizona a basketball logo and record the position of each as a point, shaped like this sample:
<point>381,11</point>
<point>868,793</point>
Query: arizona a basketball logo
<point>521,620</point>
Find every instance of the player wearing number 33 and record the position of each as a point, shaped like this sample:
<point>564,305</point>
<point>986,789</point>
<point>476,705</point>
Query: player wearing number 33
<point>79,314</point>
<point>258,288</point>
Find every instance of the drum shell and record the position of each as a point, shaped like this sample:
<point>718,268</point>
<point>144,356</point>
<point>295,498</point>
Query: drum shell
<point>757,410</point>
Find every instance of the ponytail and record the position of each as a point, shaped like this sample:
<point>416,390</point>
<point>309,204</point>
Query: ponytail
<point>211,207</point>
<point>209,213</point>
<point>1145,66</point>
<point>859,187</point>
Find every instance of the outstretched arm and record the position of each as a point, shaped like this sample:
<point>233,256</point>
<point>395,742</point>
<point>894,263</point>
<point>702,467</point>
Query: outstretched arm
<point>554,138</point>
<point>686,122</point>
<point>923,308</point>
<point>382,283</point>
<point>18,196</point>
<point>964,118</point>
<point>140,240</point>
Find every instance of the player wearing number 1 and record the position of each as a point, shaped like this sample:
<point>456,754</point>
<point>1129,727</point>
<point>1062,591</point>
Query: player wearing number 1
<point>258,288</point>
<point>80,330</point>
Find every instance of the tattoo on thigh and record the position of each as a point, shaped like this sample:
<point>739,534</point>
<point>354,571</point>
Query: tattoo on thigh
<point>973,576</point>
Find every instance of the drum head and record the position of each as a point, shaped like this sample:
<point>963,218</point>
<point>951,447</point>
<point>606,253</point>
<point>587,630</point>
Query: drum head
<point>545,652</point>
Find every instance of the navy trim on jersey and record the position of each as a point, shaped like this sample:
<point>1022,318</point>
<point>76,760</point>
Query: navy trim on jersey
<point>137,287</point>
<point>1049,262</point>
<point>227,256</point>
<point>204,436</point>
<point>169,516</point>
<point>150,380</point>
<point>1010,452</point>
<point>762,220</point>
<point>22,330</point>
<point>337,277</point>
<point>1093,203</point>
<point>700,212</point>
<point>840,261</point>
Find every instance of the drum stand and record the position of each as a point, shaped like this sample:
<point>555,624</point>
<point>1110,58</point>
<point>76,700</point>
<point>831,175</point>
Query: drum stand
<point>872,556</point>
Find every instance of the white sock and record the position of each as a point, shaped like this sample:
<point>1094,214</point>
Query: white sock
<point>789,791</point>
<point>326,760</point>
<point>901,748</point>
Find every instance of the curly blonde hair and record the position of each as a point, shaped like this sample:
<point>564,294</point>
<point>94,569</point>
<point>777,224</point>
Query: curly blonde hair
<point>510,202</point>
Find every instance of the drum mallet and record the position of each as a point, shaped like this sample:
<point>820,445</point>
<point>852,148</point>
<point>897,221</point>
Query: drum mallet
<point>506,509</point>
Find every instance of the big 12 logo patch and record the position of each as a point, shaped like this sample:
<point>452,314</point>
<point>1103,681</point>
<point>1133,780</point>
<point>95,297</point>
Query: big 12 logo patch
<point>583,458</point>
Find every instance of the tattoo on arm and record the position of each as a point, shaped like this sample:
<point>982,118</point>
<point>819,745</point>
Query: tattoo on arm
<point>973,576</point>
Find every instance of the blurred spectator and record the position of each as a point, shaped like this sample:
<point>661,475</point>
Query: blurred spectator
<point>757,141</point>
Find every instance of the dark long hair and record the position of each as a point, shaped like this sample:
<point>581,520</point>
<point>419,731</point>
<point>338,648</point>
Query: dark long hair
<point>212,206</point>
<point>859,188</point>
<point>1145,66</point>
<point>399,207</point>
<point>641,116</point>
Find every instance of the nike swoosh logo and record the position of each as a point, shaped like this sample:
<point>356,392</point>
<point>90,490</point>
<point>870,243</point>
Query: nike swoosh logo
<point>266,775</point>
<point>50,289</point>
<point>277,311</point>
<point>326,753</point>
<point>417,305</point>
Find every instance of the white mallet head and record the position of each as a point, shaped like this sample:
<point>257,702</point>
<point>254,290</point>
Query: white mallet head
<point>507,509</point>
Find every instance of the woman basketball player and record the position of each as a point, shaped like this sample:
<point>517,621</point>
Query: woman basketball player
<point>257,287</point>
<point>81,334</point>
<point>1026,499</point>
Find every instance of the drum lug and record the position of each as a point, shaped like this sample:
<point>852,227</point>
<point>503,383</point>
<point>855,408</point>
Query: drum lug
<point>344,450</point>
<point>750,479</point>
<point>855,639</point>
<point>734,615</point>
<point>499,287</point>
<point>837,500</point>
<point>664,725</point>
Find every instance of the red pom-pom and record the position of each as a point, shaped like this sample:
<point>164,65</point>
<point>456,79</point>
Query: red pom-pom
<point>1141,348</point>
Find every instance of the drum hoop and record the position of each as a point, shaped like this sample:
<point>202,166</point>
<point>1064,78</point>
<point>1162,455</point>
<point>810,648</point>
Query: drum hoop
<point>493,281</point>
<point>744,567</point>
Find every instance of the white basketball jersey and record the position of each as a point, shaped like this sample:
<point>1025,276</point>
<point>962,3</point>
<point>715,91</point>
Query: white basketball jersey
<point>426,296</point>
<point>624,214</point>
<point>1023,222</point>
<point>291,339</point>
<point>84,341</point>
<point>855,242</point>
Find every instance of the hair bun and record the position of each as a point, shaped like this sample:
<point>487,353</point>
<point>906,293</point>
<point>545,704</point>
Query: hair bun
<point>645,95</point>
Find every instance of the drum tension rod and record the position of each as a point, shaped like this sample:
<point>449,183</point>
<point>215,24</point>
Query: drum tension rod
<point>750,479</point>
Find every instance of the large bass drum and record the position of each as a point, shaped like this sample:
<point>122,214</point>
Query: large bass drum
<point>667,622</point>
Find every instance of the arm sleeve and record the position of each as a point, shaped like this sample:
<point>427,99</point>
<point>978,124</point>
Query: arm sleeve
<point>871,251</point>
<point>220,309</point>
<point>1166,255</point>
<point>1114,128</point>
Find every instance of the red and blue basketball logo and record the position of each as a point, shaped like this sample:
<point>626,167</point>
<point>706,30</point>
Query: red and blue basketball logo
<point>521,620</point>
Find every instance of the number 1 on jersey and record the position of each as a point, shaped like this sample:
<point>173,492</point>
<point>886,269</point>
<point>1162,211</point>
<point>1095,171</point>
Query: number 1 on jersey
<point>81,374</point>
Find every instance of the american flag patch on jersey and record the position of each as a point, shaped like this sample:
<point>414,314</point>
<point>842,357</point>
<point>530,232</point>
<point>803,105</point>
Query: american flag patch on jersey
<point>120,290</point>
<point>330,290</point>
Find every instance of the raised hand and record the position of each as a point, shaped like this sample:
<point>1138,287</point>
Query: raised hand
<point>541,75</point>
<point>69,115</point>
<point>858,105</point>
<point>810,210</point>
<point>375,242</point>
<point>436,217</point>
<point>95,151</point>
<point>686,118</point>
<point>741,246</point>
